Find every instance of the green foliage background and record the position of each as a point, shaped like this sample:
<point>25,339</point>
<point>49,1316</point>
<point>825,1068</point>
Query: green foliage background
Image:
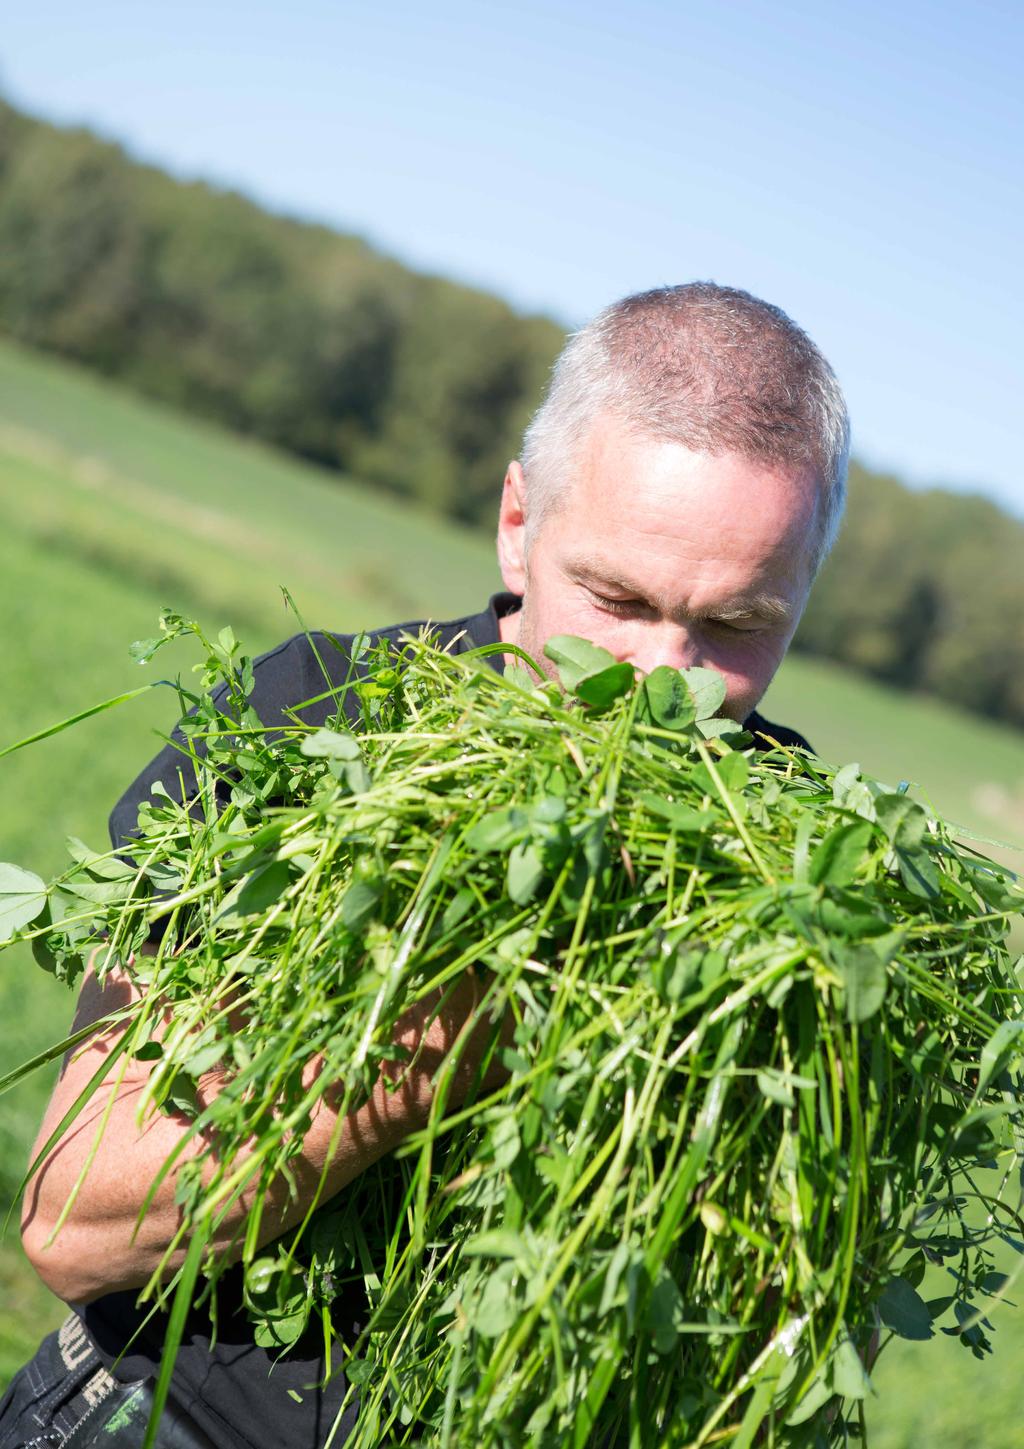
<point>313,341</point>
<point>111,508</point>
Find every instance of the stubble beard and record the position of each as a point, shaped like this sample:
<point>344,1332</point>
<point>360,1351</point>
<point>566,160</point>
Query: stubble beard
<point>528,638</point>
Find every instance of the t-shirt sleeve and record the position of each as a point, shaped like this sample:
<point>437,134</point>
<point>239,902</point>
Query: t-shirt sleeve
<point>282,679</point>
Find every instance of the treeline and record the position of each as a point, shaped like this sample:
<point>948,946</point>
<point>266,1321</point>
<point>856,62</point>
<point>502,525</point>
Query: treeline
<point>282,329</point>
<point>315,342</point>
<point>925,591</point>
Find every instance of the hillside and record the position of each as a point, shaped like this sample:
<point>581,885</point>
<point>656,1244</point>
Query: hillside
<point>112,507</point>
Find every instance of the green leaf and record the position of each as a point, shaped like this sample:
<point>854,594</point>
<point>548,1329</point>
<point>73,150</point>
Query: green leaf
<point>849,1377</point>
<point>902,1309</point>
<point>919,872</point>
<point>997,887</point>
<point>359,1371</point>
<point>816,1397</point>
<point>734,770</point>
<point>47,959</point>
<point>712,967</point>
<point>357,777</point>
<point>252,895</point>
<point>324,744</point>
<point>520,676</point>
<point>261,1278</point>
<point>865,981</point>
<point>143,650</point>
<point>180,1096</point>
<point>606,686</point>
<point>1002,1047</point>
<point>547,810</point>
<point>204,1057</point>
<point>505,1142</point>
<point>619,1261</point>
<point>906,825</point>
<point>22,898</point>
<point>497,1243</point>
<point>841,919</point>
<point>98,893</point>
<point>497,1308</point>
<point>675,972</point>
<point>498,830</point>
<point>838,858</point>
<point>359,903</point>
<point>902,819</point>
<point>683,818</point>
<point>263,888</point>
<point>457,909</point>
<point>774,1088</point>
<point>802,847</point>
<point>665,1312</point>
<point>669,699</point>
<point>720,727</point>
<point>843,782</point>
<point>281,1332</point>
<point>707,688</point>
<point>525,872</point>
<point>107,867</point>
<point>576,658</point>
<point>590,835</point>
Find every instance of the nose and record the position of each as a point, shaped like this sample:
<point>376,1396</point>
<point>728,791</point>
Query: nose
<point>678,646</point>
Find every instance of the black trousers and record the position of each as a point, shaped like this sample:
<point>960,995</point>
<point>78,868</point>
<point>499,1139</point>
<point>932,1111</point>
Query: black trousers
<point>65,1399</point>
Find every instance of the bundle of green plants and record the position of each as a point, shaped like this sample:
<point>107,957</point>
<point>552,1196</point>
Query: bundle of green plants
<point>753,1047</point>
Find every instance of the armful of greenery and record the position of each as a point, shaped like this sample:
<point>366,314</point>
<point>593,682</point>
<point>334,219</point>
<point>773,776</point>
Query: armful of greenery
<point>766,1035</point>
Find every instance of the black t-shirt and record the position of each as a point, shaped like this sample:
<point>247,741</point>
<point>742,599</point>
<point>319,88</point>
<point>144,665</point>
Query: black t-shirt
<point>243,1396</point>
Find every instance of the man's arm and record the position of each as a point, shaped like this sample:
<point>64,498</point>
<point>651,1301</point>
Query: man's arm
<point>97,1249</point>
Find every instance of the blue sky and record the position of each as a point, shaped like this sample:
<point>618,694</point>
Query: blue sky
<point>859,164</point>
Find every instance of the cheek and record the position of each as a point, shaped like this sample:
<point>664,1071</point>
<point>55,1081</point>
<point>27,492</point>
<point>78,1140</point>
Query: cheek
<point>748,671</point>
<point>745,657</point>
<point>564,609</point>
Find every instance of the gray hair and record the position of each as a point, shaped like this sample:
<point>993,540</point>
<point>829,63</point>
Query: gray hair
<point>710,367</point>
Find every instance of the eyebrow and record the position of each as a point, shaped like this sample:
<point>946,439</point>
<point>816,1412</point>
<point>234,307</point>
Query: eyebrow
<point>769,607</point>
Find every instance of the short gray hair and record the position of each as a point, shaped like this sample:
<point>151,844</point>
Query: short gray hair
<point>710,367</point>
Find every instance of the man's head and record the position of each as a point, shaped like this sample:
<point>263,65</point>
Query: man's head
<point>679,487</point>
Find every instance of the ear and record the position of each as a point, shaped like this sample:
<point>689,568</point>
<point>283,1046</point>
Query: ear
<point>512,531</point>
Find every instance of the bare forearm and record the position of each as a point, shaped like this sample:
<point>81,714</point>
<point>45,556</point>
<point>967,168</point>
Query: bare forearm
<point>104,1244</point>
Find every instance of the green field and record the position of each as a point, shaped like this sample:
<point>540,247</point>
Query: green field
<point>111,508</point>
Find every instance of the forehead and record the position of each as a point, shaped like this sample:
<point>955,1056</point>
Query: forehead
<point>659,511</point>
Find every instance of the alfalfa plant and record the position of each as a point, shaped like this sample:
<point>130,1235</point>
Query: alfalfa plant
<point>755,1039</point>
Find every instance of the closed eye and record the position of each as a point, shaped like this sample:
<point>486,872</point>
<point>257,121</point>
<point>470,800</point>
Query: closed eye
<point>755,626</point>
<point>631,608</point>
<point>624,608</point>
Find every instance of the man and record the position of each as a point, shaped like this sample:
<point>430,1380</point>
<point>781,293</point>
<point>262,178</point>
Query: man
<point>678,489</point>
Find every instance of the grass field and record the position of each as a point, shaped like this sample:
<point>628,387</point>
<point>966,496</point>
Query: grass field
<point>111,508</point>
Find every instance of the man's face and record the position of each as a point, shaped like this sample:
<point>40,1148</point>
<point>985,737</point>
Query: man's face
<point>666,556</point>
